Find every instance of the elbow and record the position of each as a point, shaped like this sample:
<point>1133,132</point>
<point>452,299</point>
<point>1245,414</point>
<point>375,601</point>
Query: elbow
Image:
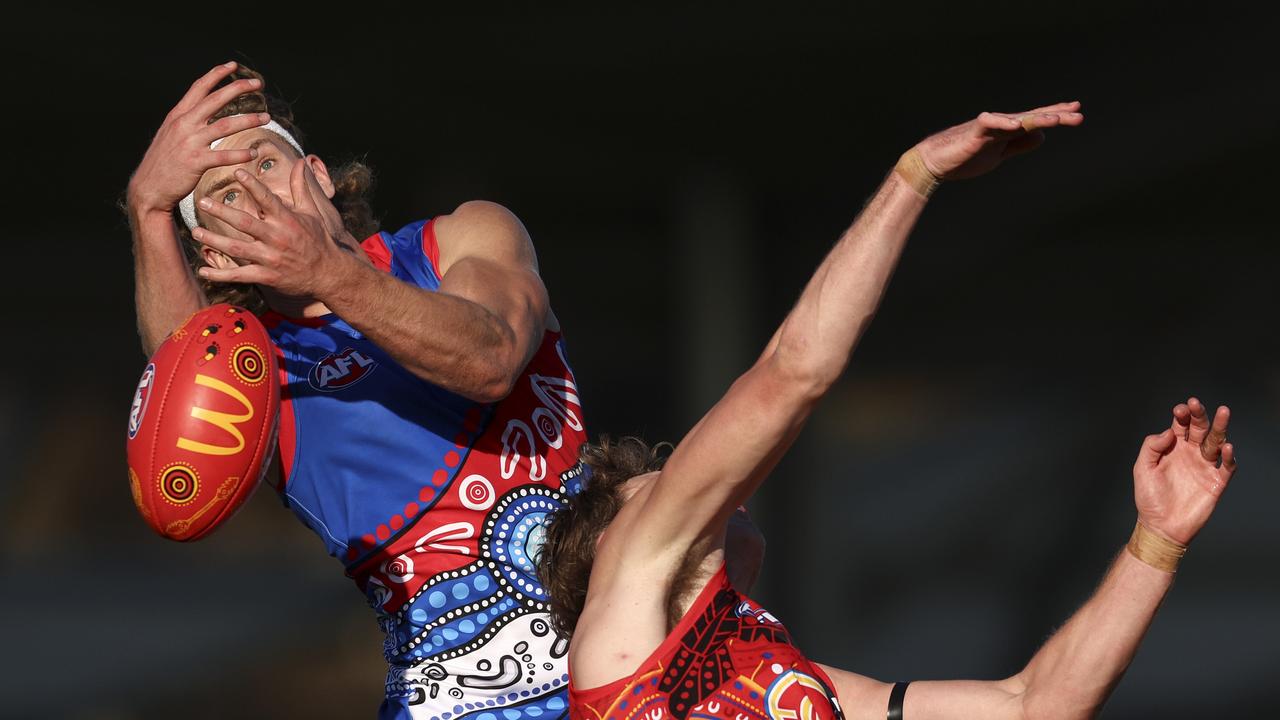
<point>803,373</point>
<point>495,376</point>
<point>811,362</point>
<point>491,390</point>
<point>1047,711</point>
<point>1035,703</point>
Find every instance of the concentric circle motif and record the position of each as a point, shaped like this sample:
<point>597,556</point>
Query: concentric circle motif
<point>399,570</point>
<point>248,364</point>
<point>476,492</point>
<point>179,484</point>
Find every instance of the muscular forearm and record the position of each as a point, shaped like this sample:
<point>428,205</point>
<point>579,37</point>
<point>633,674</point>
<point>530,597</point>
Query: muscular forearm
<point>166,291</point>
<point>836,306</point>
<point>445,339</point>
<point>1075,672</point>
<point>1069,678</point>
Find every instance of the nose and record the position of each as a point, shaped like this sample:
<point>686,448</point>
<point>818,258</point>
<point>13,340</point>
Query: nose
<point>280,188</point>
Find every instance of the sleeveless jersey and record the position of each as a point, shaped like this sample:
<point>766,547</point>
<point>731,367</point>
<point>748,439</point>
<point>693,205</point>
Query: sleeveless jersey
<point>434,503</point>
<point>727,659</point>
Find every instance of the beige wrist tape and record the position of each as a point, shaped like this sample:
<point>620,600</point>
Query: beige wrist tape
<point>911,168</point>
<point>1155,550</point>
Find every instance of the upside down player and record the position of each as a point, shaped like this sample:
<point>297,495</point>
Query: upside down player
<point>636,563</point>
<point>429,419</point>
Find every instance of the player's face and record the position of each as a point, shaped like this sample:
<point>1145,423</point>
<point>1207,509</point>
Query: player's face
<point>272,167</point>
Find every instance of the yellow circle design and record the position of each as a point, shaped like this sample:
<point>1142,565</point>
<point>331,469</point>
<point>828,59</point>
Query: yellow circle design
<point>179,484</point>
<point>248,364</point>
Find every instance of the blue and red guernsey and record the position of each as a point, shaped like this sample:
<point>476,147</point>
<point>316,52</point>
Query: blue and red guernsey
<point>434,503</point>
<point>727,659</point>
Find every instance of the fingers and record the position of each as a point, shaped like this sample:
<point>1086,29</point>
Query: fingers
<point>250,250</point>
<point>238,219</point>
<point>1067,114</point>
<point>248,274</point>
<point>1072,106</point>
<point>267,201</point>
<point>1199,426</point>
<point>317,192</point>
<point>223,95</point>
<point>223,158</point>
<point>228,126</point>
<point>998,121</point>
<point>1228,462</point>
<point>1016,127</point>
<point>1156,446</point>
<point>1216,438</point>
<point>300,187</point>
<point>1035,121</point>
<point>201,87</point>
<point>1181,420</point>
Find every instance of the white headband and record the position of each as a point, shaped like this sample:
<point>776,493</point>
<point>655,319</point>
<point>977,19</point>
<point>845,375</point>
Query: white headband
<point>187,206</point>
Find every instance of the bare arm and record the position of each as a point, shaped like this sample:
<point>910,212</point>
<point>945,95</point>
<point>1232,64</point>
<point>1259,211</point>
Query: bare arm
<point>166,292</point>
<point>721,461</point>
<point>473,337</point>
<point>1070,677</point>
<point>727,454</point>
<point>1177,484</point>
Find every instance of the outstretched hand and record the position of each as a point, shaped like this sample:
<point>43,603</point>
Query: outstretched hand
<point>1181,472</point>
<point>978,146</point>
<point>179,153</point>
<point>291,244</point>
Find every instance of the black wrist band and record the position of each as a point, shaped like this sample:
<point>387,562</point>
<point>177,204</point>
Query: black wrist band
<point>895,700</point>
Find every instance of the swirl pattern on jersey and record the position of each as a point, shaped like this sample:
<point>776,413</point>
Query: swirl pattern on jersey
<point>727,659</point>
<point>434,503</point>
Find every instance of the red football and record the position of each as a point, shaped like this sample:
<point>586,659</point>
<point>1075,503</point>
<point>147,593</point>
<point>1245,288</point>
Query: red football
<point>203,422</point>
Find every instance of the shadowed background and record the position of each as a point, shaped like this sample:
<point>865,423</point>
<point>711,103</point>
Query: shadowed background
<point>682,172</point>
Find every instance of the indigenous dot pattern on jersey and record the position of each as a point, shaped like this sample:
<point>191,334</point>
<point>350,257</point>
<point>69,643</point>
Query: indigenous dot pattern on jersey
<point>434,503</point>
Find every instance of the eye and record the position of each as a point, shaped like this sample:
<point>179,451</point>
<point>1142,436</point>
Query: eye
<point>266,165</point>
<point>230,197</point>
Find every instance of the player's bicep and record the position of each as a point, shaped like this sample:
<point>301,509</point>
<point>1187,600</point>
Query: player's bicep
<point>864,698</point>
<point>486,257</point>
<point>861,697</point>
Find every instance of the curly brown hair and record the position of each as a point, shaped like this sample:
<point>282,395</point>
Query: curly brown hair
<point>353,185</point>
<point>569,548</point>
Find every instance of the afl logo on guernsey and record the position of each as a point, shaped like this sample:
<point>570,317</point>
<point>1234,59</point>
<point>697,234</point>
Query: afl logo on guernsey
<point>140,397</point>
<point>340,370</point>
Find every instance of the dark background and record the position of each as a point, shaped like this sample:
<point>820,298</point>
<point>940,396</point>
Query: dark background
<point>682,171</point>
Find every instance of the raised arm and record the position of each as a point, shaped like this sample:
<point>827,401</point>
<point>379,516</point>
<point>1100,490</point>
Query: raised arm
<point>1178,478</point>
<point>726,455</point>
<point>473,337</point>
<point>166,292</point>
